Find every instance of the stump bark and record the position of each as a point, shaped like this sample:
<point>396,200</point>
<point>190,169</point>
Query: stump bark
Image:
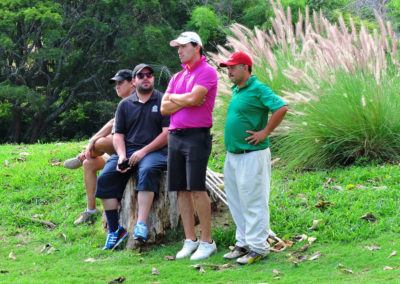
<point>164,213</point>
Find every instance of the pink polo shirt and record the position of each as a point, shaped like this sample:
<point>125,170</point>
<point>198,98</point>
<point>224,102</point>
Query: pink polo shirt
<point>202,74</point>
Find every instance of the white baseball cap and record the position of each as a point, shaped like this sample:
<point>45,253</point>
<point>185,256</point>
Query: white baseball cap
<point>185,38</point>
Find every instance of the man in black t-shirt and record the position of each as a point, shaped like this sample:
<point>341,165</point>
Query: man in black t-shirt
<point>140,141</point>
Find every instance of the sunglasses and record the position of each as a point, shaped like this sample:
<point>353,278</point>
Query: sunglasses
<point>142,75</point>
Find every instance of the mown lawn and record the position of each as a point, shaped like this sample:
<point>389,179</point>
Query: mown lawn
<point>33,185</point>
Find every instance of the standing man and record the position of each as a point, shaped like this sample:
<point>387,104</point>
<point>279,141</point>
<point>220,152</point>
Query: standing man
<point>190,99</point>
<point>247,170</point>
<point>140,136</point>
<point>99,149</point>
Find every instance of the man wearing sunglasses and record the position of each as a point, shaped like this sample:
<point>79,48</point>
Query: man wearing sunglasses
<point>190,99</point>
<point>99,149</point>
<point>140,139</point>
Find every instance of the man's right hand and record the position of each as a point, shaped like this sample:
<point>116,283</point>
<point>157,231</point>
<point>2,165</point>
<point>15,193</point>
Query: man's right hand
<point>121,159</point>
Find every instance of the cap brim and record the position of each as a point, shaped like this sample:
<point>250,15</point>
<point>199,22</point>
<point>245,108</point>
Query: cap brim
<point>144,67</point>
<point>116,78</point>
<point>225,64</point>
<point>178,42</point>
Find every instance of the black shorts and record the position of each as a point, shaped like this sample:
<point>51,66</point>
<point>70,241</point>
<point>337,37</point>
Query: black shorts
<point>188,153</point>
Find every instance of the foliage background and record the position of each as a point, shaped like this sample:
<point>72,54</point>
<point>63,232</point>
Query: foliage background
<point>58,54</point>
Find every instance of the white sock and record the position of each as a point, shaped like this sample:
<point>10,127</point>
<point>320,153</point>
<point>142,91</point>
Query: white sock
<point>91,211</point>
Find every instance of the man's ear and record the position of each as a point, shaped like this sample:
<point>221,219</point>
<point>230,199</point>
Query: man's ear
<point>133,82</point>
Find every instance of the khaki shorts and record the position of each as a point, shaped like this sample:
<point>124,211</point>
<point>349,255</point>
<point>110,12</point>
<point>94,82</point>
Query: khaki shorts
<point>105,157</point>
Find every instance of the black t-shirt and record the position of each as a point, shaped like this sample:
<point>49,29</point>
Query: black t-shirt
<point>140,122</point>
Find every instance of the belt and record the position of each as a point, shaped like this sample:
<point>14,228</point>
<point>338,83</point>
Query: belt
<point>245,151</point>
<point>180,131</point>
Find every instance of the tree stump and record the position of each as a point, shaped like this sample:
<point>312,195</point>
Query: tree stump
<point>164,213</point>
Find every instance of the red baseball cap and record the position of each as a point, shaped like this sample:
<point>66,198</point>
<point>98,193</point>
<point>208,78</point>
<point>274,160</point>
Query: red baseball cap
<point>237,58</point>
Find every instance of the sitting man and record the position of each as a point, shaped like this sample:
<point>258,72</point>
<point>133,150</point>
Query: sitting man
<point>140,136</point>
<point>99,149</point>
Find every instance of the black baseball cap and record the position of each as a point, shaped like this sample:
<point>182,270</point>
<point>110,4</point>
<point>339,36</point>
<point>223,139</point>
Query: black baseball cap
<point>121,75</point>
<point>139,68</point>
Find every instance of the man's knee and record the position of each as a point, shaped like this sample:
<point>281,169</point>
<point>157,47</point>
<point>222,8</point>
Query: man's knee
<point>94,164</point>
<point>104,145</point>
<point>198,194</point>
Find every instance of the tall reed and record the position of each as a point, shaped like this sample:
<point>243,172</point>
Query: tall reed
<point>341,85</point>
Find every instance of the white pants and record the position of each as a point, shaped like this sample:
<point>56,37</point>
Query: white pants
<point>247,181</point>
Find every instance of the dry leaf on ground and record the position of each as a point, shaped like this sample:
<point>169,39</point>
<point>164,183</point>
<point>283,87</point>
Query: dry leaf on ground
<point>12,256</point>
<point>388,268</point>
<point>56,164</point>
<point>90,259</point>
<point>6,163</point>
<point>327,182</point>
<point>380,187</point>
<point>316,224</point>
<point>225,266</point>
<point>323,204</point>
<point>300,238</point>
<point>46,247</point>
<point>348,271</point>
<point>202,270</point>
<point>392,254</point>
<point>311,240</point>
<point>168,257</point>
<point>315,255</point>
<point>337,187</point>
<point>361,186</point>
<point>369,217</point>
<point>373,247</point>
<point>276,271</point>
<point>118,280</point>
<point>303,249</point>
<point>154,271</point>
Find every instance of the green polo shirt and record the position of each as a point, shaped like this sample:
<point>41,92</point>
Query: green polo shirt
<point>248,110</point>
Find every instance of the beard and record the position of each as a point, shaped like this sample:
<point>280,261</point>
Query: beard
<point>145,90</point>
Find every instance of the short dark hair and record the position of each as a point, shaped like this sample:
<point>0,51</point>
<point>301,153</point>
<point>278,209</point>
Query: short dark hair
<point>248,67</point>
<point>194,44</point>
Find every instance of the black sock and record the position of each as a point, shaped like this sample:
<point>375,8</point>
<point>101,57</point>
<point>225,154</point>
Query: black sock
<point>112,219</point>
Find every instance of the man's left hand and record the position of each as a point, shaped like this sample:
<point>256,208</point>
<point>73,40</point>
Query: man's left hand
<point>256,136</point>
<point>137,157</point>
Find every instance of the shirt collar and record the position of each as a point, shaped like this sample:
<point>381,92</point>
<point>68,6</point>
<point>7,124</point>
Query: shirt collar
<point>248,83</point>
<point>135,97</point>
<point>195,65</point>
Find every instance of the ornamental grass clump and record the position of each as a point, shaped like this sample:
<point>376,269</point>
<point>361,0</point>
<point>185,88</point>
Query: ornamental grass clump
<point>342,86</point>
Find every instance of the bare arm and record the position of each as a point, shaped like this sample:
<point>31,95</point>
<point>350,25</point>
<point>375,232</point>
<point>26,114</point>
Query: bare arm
<point>168,107</point>
<point>120,149</point>
<point>195,98</point>
<point>158,142</point>
<point>103,132</point>
<point>275,120</point>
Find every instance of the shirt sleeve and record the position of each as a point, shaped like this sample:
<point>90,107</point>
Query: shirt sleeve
<point>207,79</point>
<point>270,100</point>
<point>119,122</point>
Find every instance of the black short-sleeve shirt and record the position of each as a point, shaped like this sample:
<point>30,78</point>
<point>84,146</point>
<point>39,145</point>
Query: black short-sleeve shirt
<point>140,122</point>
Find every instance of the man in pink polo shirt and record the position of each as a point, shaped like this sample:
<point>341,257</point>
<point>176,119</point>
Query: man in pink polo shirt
<point>190,99</point>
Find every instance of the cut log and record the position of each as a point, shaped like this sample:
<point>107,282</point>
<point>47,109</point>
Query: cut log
<point>164,213</point>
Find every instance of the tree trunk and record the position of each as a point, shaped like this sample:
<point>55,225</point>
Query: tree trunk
<point>164,213</point>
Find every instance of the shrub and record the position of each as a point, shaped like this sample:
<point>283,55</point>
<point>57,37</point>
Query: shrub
<point>341,85</point>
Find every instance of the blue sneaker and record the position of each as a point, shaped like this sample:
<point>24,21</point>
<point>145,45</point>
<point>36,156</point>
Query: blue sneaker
<point>115,238</point>
<point>140,232</point>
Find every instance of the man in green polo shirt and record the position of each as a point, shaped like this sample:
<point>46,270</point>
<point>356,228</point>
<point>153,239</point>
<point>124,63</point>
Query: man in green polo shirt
<point>247,169</point>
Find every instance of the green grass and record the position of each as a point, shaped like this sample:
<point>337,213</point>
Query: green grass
<point>35,186</point>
